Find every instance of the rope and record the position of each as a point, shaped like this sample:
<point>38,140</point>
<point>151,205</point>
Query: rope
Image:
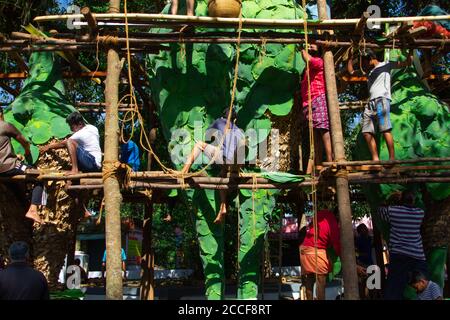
<point>96,58</point>
<point>311,143</point>
<point>130,116</point>
<point>119,170</point>
<point>254,188</point>
<point>99,219</point>
<point>109,40</point>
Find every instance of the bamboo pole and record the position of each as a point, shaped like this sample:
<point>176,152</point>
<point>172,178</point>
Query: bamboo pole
<point>305,184</point>
<point>386,162</point>
<point>147,291</point>
<point>92,22</point>
<point>159,176</point>
<point>343,194</point>
<point>149,45</point>
<point>111,188</point>
<point>246,22</point>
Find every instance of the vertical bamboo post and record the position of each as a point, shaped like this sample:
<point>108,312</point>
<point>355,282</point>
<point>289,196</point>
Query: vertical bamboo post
<point>343,196</point>
<point>147,291</point>
<point>113,197</point>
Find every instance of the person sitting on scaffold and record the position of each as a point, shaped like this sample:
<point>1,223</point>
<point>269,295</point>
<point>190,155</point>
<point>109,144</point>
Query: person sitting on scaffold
<point>227,151</point>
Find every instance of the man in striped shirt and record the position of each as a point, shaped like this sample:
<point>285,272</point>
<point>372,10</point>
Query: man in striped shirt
<point>405,244</point>
<point>426,289</point>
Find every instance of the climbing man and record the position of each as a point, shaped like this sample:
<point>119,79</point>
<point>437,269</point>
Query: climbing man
<point>11,165</point>
<point>227,154</point>
<point>314,260</point>
<point>83,146</point>
<point>314,82</point>
<point>378,108</point>
<point>189,7</point>
<point>405,244</point>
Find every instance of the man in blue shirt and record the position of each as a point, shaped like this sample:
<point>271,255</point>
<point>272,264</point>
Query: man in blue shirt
<point>224,150</point>
<point>124,259</point>
<point>129,153</point>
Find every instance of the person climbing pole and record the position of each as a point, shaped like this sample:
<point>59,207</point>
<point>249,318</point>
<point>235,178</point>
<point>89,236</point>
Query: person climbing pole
<point>227,155</point>
<point>190,4</point>
<point>315,83</point>
<point>83,146</point>
<point>378,108</point>
<point>11,165</point>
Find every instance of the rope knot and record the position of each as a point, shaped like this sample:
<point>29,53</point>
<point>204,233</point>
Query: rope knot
<point>118,170</point>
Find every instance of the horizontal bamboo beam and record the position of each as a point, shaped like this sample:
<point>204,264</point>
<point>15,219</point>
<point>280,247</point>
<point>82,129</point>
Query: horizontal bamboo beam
<point>24,75</point>
<point>161,180</point>
<point>78,48</point>
<point>358,180</point>
<point>87,110</point>
<point>385,162</point>
<point>246,22</point>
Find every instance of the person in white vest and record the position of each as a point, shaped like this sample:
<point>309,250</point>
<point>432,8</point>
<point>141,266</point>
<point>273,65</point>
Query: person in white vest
<point>83,145</point>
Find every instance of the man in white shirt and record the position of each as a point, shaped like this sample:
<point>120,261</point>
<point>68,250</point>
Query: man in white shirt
<point>378,108</point>
<point>83,146</point>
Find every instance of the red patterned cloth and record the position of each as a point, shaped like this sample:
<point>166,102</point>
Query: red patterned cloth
<point>319,113</point>
<point>316,79</point>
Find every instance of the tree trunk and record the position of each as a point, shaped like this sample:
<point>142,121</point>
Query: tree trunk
<point>113,197</point>
<point>343,196</point>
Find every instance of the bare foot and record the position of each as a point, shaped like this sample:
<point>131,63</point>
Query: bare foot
<point>220,217</point>
<point>33,216</point>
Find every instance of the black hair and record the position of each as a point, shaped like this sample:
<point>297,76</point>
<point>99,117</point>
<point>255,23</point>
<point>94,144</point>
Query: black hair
<point>77,261</point>
<point>408,197</point>
<point>74,118</point>
<point>416,276</point>
<point>360,228</point>
<point>319,51</point>
<point>233,113</point>
<point>371,54</point>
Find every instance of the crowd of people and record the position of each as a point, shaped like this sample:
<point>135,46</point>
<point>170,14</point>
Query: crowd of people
<point>407,265</point>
